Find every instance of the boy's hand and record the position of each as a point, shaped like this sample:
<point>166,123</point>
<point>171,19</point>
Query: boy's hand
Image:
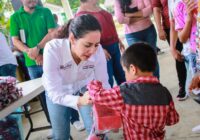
<point>85,99</point>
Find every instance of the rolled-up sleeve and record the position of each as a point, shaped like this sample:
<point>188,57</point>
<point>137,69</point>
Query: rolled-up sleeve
<point>119,15</point>
<point>147,10</point>
<point>101,73</point>
<point>156,3</point>
<point>52,80</point>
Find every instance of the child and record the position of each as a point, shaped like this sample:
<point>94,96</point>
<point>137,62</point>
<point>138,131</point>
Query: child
<point>144,104</point>
<point>185,24</point>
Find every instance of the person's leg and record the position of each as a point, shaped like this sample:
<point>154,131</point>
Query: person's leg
<point>189,76</point>
<point>151,38</point>
<point>60,120</point>
<point>8,70</point>
<point>22,66</point>
<point>180,66</point>
<point>86,114</point>
<point>116,65</point>
<point>36,72</point>
<point>74,116</point>
<point>109,66</point>
<point>134,38</point>
<point>75,121</point>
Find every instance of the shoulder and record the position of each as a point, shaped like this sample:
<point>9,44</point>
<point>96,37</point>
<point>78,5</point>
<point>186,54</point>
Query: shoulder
<point>57,45</point>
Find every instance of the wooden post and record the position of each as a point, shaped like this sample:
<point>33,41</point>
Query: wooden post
<point>67,9</point>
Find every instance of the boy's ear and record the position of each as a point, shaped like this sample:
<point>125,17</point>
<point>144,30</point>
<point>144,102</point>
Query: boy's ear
<point>133,69</point>
<point>71,38</point>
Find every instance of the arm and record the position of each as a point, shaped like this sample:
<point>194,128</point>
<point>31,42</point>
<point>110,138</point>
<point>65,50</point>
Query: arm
<point>110,98</point>
<point>173,42</point>
<point>157,17</point>
<point>184,34</point>
<point>119,15</point>
<point>172,116</point>
<point>52,80</point>
<point>19,44</point>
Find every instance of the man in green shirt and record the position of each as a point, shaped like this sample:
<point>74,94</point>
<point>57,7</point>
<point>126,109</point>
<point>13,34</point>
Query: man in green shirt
<point>28,28</point>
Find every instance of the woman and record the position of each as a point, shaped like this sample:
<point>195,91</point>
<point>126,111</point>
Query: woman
<point>135,15</point>
<point>69,65</point>
<point>109,39</point>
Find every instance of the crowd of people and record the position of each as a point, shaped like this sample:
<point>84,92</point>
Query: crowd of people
<point>80,61</point>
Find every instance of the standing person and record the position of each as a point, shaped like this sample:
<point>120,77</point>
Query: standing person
<point>28,27</point>
<point>8,64</point>
<point>109,39</point>
<point>185,25</point>
<point>135,15</point>
<point>70,64</point>
<point>145,105</point>
<point>161,15</point>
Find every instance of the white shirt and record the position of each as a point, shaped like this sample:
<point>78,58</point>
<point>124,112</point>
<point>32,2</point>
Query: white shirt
<point>6,56</point>
<point>171,5</point>
<point>62,76</point>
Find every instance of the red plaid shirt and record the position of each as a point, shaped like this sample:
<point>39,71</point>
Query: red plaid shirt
<point>140,122</point>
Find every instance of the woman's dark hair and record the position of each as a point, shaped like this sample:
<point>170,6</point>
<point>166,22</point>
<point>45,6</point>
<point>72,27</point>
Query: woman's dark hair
<point>80,26</point>
<point>141,55</point>
<point>124,4</point>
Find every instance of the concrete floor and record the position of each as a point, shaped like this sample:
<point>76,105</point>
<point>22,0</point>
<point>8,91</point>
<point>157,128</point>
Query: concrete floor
<point>189,110</point>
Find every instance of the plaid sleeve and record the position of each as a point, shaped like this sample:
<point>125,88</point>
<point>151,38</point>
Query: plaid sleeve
<point>173,116</point>
<point>110,98</point>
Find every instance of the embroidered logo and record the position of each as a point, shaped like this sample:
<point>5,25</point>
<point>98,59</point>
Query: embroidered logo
<point>88,67</point>
<point>66,66</point>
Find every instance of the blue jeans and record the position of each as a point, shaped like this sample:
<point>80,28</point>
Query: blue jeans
<point>8,70</point>
<point>190,64</point>
<point>36,72</point>
<point>113,65</point>
<point>60,119</point>
<point>148,35</point>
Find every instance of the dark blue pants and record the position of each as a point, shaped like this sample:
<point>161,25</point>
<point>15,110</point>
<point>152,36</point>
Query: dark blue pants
<point>149,36</point>
<point>113,65</point>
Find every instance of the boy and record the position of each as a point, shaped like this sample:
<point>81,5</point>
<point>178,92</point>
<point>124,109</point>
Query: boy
<point>144,104</point>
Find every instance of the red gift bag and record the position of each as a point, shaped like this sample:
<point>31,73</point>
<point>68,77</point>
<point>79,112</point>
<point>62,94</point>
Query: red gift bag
<point>105,118</point>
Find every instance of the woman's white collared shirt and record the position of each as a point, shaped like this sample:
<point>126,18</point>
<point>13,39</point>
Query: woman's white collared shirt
<point>62,76</point>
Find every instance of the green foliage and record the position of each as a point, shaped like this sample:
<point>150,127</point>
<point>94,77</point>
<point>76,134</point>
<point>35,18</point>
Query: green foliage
<point>73,3</point>
<point>5,7</point>
<point>56,2</point>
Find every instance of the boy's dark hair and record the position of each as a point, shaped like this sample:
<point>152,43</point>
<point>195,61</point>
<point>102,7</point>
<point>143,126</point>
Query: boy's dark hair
<point>141,55</point>
<point>80,26</point>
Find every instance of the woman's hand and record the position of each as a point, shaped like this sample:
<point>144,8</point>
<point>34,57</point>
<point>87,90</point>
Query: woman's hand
<point>85,99</point>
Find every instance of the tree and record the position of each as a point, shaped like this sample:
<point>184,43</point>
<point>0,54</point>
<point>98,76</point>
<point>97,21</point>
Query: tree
<point>5,10</point>
<point>74,4</point>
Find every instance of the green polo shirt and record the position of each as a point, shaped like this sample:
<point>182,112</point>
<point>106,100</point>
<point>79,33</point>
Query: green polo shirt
<point>35,26</point>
